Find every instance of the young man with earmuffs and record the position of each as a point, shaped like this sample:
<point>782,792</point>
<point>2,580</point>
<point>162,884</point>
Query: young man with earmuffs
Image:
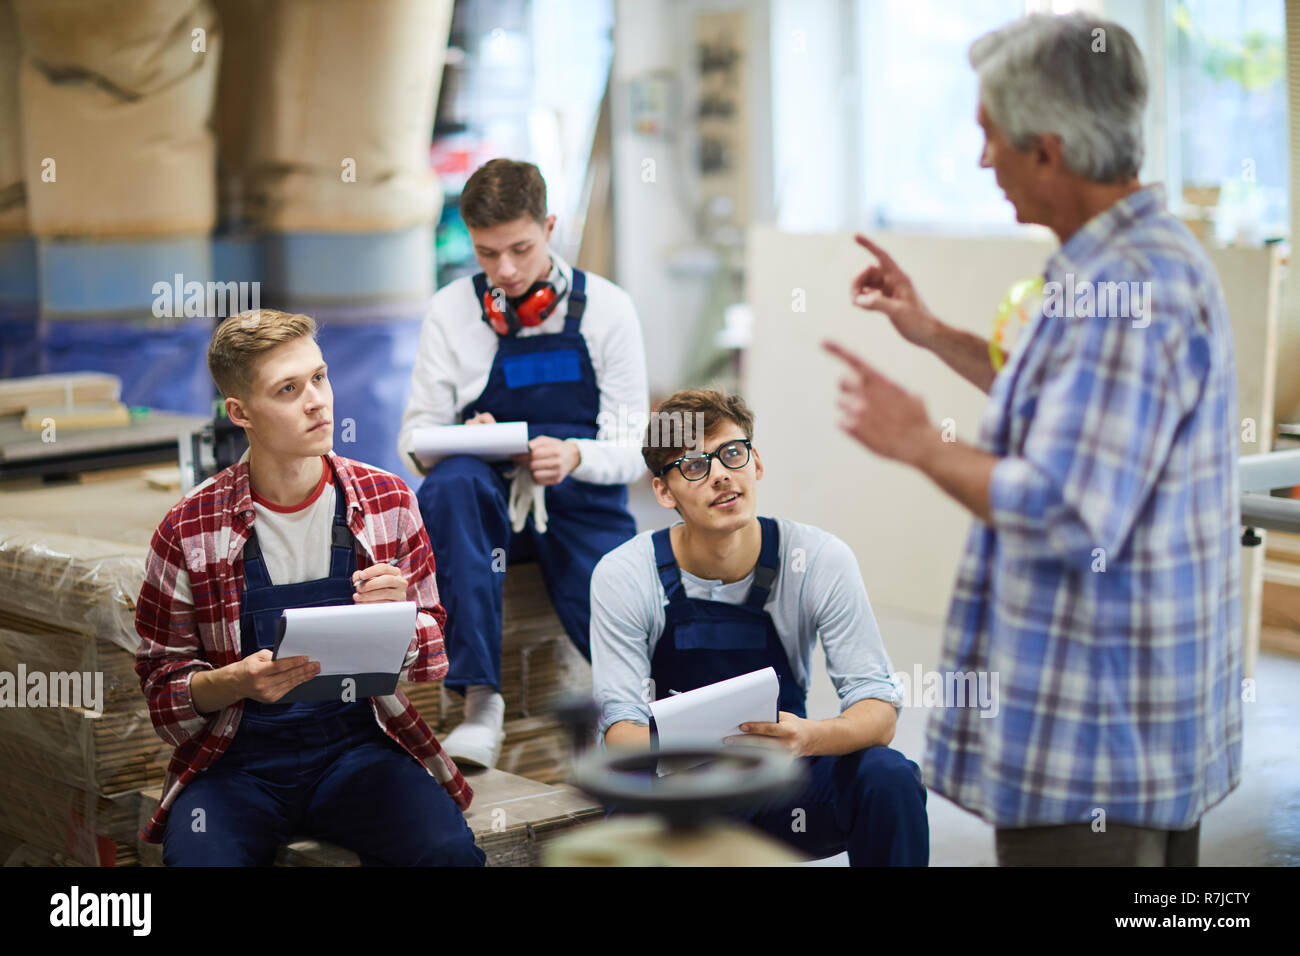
<point>529,338</point>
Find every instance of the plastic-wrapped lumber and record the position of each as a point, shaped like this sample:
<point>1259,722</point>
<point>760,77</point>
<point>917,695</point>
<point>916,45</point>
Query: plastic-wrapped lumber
<point>72,583</point>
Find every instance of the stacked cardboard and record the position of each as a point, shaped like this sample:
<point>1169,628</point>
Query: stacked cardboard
<point>539,667</point>
<point>76,743</point>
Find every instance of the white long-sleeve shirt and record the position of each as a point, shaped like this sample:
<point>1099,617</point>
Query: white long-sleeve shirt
<point>457,349</point>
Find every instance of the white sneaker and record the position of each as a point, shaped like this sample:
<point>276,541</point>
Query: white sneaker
<point>477,741</point>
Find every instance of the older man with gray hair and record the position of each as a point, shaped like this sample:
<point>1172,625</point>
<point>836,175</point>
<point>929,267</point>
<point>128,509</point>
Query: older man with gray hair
<point>1101,581</point>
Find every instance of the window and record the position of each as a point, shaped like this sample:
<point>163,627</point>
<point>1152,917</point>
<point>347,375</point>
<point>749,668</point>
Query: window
<point>1228,106</point>
<point>920,140</point>
<point>900,138</point>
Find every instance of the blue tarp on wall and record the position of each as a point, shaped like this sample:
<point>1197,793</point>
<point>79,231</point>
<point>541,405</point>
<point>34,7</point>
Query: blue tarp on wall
<point>161,366</point>
<point>370,363</point>
<point>20,351</point>
<point>20,347</point>
<point>369,333</point>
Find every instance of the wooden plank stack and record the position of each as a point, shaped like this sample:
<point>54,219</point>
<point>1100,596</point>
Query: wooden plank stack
<point>68,400</point>
<point>17,395</point>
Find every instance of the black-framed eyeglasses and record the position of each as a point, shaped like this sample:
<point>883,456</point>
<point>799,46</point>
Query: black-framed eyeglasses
<point>697,465</point>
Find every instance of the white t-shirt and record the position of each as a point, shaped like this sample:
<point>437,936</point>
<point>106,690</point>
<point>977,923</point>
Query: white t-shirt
<point>295,541</point>
<point>457,349</point>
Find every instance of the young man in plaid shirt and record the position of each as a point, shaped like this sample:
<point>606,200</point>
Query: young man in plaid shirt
<point>289,525</point>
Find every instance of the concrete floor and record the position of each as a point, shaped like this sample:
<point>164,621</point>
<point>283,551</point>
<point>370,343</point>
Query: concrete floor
<point>1258,824</point>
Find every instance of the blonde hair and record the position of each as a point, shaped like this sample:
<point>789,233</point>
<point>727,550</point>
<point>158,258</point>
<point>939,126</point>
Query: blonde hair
<point>240,339</point>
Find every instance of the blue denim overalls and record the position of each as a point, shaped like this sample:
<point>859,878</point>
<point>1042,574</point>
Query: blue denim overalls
<point>325,769</point>
<point>870,802</point>
<point>548,381</point>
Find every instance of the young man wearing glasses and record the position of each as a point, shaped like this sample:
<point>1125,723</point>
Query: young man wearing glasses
<point>724,592</point>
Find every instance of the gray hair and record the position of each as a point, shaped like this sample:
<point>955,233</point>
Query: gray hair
<point>1077,76</point>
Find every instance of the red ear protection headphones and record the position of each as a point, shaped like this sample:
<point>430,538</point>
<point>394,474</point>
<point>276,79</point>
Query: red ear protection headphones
<point>533,309</point>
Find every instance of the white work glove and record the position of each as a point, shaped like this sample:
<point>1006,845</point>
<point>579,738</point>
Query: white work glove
<point>526,496</point>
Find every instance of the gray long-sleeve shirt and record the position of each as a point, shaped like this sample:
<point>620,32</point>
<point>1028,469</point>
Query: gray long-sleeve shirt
<point>818,592</point>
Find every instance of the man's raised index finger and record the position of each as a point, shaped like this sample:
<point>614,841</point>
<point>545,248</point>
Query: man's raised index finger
<point>885,258</point>
<point>859,366</point>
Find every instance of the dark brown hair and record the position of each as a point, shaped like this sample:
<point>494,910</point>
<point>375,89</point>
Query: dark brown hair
<point>502,190</point>
<point>673,421</point>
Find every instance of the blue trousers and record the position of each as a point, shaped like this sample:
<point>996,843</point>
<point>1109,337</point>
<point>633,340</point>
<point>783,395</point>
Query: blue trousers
<point>341,780</point>
<point>869,802</point>
<point>465,506</point>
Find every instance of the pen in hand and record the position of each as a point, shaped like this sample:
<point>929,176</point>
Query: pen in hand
<point>395,562</point>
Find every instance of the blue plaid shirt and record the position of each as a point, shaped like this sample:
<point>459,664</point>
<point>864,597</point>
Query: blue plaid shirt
<point>1106,593</point>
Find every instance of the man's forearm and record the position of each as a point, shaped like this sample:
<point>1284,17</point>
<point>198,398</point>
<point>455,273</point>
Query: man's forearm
<point>963,471</point>
<point>214,690</point>
<point>868,723</point>
<point>965,353</point>
<point>627,734</point>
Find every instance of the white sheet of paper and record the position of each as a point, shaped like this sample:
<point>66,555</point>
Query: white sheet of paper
<point>489,442</point>
<point>704,716</point>
<point>350,638</point>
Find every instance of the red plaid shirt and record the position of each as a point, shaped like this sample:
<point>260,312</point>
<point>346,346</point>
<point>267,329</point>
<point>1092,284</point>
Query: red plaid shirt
<point>204,534</point>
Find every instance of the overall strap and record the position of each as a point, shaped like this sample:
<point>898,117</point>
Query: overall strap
<point>342,555</point>
<point>577,301</point>
<point>342,544</point>
<point>769,556</point>
<point>667,564</point>
<point>255,573</point>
